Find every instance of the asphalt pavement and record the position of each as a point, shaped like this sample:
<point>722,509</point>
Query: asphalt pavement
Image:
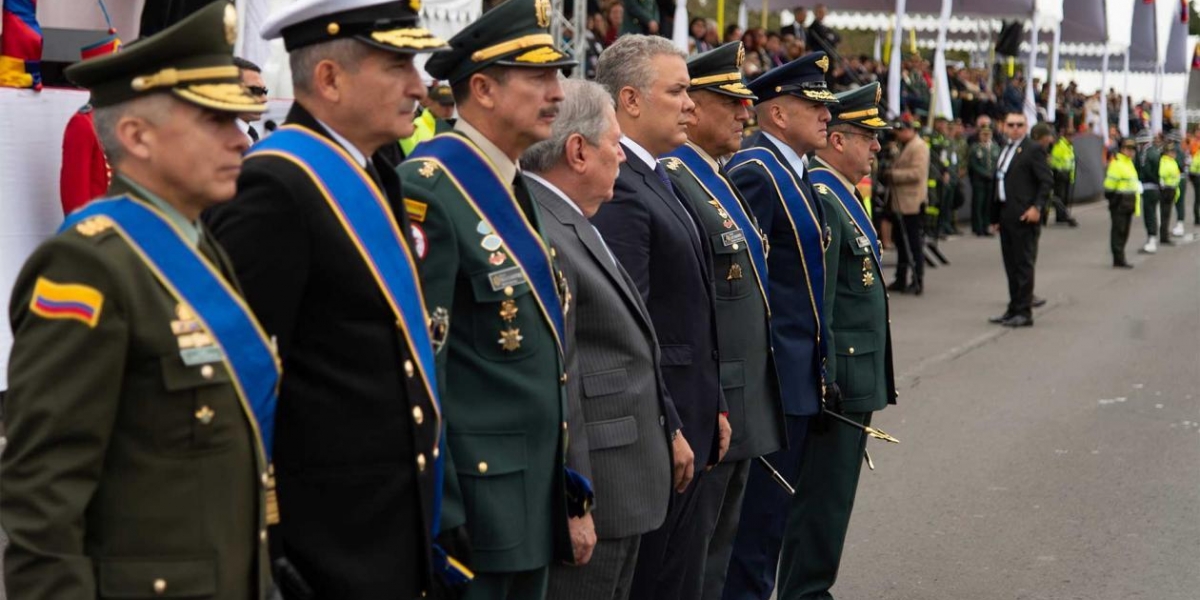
<point>1056,462</point>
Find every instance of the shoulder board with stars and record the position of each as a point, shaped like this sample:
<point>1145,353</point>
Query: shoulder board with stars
<point>822,188</point>
<point>672,163</point>
<point>94,226</point>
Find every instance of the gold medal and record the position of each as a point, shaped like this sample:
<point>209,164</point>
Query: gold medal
<point>497,258</point>
<point>508,310</point>
<point>510,339</point>
<point>868,272</point>
<point>735,272</point>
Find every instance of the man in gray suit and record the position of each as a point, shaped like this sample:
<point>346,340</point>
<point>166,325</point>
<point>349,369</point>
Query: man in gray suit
<point>619,411</point>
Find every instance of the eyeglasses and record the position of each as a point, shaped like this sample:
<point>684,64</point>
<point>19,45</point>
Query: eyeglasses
<point>871,137</point>
<point>257,90</point>
<point>1014,124</point>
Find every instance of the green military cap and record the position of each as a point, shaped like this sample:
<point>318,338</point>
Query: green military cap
<point>514,34</point>
<point>192,59</point>
<point>390,25</point>
<point>442,94</point>
<point>859,107</point>
<point>720,70</point>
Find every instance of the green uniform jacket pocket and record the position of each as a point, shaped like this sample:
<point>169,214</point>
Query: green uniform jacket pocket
<point>157,578</point>
<point>491,470</point>
<point>856,364</point>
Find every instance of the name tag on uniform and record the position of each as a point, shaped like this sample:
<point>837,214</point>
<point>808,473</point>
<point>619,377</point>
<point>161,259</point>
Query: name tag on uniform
<point>863,241</point>
<point>730,238</point>
<point>503,278</point>
<point>201,356</point>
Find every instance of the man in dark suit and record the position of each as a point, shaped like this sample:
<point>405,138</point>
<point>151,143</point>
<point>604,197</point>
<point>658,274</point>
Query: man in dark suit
<point>772,175</point>
<point>358,423</point>
<point>657,239</point>
<point>1023,183</point>
<point>617,403</point>
<point>491,283</point>
<point>140,382</point>
<point>748,376</point>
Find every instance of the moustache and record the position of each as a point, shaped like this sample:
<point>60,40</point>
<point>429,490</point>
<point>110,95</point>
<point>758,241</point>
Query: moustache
<point>548,113</point>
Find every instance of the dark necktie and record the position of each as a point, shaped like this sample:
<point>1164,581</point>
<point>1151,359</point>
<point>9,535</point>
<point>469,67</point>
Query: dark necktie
<point>662,175</point>
<point>524,200</point>
<point>375,176</point>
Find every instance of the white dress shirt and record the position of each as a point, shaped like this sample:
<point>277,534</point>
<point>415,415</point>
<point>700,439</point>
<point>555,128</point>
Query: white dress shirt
<point>1006,158</point>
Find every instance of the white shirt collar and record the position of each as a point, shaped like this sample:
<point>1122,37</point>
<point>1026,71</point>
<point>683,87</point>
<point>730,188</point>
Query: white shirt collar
<point>345,143</point>
<point>797,162</point>
<point>554,188</point>
<point>504,165</point>
<point>641,152</point>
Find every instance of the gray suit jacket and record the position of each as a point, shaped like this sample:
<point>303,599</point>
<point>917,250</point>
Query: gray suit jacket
<point>619,412</point>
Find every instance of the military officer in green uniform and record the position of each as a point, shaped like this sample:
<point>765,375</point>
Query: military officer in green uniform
<point>141,386</point>
<point>981,166</point>
<point>730,229</point>
<point>497,301</point>
<point>860,361</point>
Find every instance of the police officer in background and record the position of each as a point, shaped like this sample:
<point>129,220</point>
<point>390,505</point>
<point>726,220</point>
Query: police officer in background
<point>748,376</point>
<point>139,380</point>
<point>1121,190</point>
<point>981,165</point>
<point>316,236</point>
<point>497,301</point>
<point>1062,163</point>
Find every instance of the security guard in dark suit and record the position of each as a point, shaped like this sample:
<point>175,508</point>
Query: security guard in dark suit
<point>138,378</point>
<point>316,234</point>
<point>860,357</point>
<point>496,300</point>
<point>748,376</point>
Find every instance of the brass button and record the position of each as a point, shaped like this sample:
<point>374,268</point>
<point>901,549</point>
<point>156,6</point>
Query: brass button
<point>421,462</point>
<point>408,368</point>
<point>563,379</point>
<point>262,536</point>
<point>435,453</point>
<point>564,425</point>
<point>160,586</point>
<point>482,467</point>
<point>852,350</point>
<point>266,479</point>
<point>418,415</point>
<point>553,252</point>
<point>207,372</point>
<point>736,247</point>
<point>508,291</point>
<point>333,28</point>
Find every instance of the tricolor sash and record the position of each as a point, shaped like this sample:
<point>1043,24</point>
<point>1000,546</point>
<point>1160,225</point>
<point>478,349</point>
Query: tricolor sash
<point>367,218</point>
<point>194,281</point>
<point>720,190</point>
<point>802,217</point>
<point>493,200</point>
<point>845,195</point>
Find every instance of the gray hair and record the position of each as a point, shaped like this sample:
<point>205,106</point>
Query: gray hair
<point>626,63</point>
<point>154,108</point>
<point>585,110</point>
<point>347,52</point>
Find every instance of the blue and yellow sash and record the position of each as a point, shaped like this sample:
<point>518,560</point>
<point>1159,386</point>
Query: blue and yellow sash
<point>480,184</point>
<point>802,218</point>
<point>844,192</point>
<point>195,282</point>
<point>365,215</point>
<point>720,190</point>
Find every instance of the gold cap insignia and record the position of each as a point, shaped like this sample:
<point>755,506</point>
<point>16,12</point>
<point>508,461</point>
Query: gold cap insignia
<point>415,5</point>
<point>230,24</point>
<point>824,64</point>
<point>333,28</point>
<point>741,55</point>
<point>543,12</point>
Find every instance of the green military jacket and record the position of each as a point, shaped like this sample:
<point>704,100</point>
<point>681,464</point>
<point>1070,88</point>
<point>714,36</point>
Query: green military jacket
<point>982,162</point>
<point>500,376</point>
<point>748,377</point>
<point>128,474</point>
<point>856,306</point>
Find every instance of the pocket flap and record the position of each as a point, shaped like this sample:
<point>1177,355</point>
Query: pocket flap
<point>157,578</point>
<point>489,286</point>
<point>487,454</point>
<point>612,433</point>
<point>605,383</point>
<point>676,355</point>
<point>733,374</point>
<point>178,376</point>
<point>728,242</point>
<point>854,343</point>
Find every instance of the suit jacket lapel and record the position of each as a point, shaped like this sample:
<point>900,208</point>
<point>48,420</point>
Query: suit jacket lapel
<point>673,203</point>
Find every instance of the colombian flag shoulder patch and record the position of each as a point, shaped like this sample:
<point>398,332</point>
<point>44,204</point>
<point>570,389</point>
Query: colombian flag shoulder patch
<point>66,301</point>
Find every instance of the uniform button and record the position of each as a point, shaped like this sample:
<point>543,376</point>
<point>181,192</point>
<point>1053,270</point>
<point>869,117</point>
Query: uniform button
<point>262,536</point>
<point>408,368</point>
<point>852,350</point>
<point>553,252</point>
<point>662,421</point>
<point>564,425</point>
<point>266,479</point>
<point>421,462</point>
<point>736,247</point>
<point>160,586</point>
<point>206,372</point>
<point>508,291</point>
<point>418,415</point>
<point>563,379</point>
<point>435,453</point>
<point>482,467</point>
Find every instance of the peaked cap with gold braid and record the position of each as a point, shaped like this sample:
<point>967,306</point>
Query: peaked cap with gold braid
<point>391,25</point>
<point>192,59</point>
<point>802,78</point>
<point>860,107</point>
<point>516,33</point>
<point>720,70</point>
